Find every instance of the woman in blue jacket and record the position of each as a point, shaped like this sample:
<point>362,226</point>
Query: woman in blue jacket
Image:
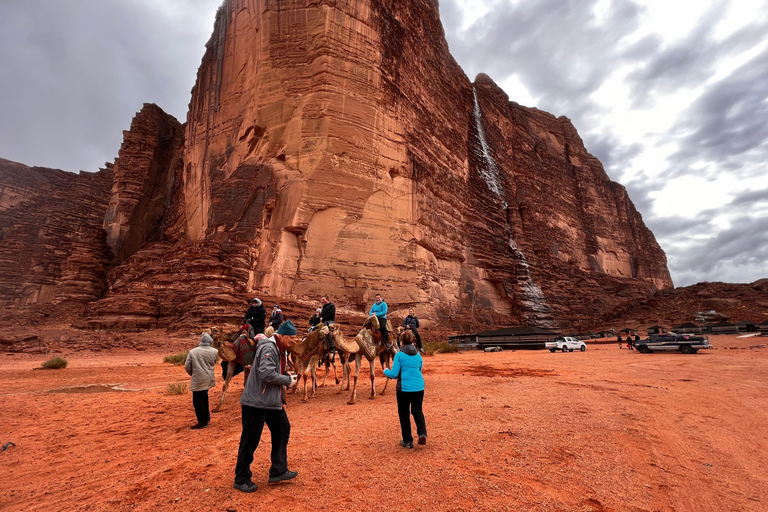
<point>407,368</point>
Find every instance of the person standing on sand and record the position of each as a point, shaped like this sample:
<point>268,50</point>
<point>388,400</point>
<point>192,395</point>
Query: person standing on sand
<point>407,369</point>
<point>618,338</point>
<point>262,402</point>
<point>200,365</point>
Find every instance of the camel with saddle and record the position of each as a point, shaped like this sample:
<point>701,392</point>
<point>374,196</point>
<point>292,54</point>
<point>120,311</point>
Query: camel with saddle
<point>305,355</point>
<point>366,343</point>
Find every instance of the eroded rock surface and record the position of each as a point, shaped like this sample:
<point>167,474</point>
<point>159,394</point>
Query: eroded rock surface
<point>337,147</point>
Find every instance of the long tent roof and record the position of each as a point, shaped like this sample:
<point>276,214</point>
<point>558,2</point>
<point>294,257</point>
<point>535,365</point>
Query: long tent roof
<point>516,331</point>
<point>686,325</point>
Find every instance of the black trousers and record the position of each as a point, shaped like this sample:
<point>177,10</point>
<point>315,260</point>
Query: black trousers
<point>409,403</point>
<point>200,403</point>
<point>383,330</point>
<point>253,424</point>
<point>418,338</point>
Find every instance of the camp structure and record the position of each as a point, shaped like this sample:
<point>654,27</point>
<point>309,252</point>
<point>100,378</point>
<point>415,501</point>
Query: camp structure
<point>707,328</point>
<point>724,328</point>
<point>515,338</point>
<point>463,340</point>
<point>656,329</point>
<point>763,327</point>
<point>746,326</point>
<point>687,328</point>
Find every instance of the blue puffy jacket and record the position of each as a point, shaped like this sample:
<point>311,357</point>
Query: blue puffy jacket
<point>406,368</point>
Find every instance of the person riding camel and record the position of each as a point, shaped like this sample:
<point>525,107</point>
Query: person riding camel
<point>379,309</point>
<point>314,320</point>
<point>276,318</point>
<point>256,316</point>
<point>328,317</point>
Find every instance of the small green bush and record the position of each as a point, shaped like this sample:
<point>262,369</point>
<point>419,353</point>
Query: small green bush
<point>177,359</point>
<point>55,362</point>
<point>177,388</point>
<point>431,347</point>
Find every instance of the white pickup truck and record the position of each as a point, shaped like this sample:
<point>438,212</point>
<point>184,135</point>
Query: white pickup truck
<point>566,344</point>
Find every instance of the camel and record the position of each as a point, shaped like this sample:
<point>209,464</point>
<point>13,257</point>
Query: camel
<point>351,347</point>
<point>229,352</point>
<point>305,354</point>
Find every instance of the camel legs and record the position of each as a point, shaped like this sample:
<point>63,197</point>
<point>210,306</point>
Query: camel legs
<point>373,379</point>
<point>230,373</point>
<point>358,360</point>
<point>328,365</point>
<point>386,362</point>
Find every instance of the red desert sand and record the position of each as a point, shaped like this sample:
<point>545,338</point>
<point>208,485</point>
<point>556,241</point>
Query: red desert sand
<point>602,430</point>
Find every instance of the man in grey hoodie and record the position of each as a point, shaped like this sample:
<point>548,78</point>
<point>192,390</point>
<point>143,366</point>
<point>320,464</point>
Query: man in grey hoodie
<point>200,365</point>
<point>262,402</point>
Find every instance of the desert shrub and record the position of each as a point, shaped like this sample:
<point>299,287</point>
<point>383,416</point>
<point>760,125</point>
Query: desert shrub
<point>55,362</point>
<point>176,388</point>
<point>177,359</point>
<point>432,347</point>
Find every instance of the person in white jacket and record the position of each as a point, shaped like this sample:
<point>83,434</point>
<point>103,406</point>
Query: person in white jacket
<point>200,365</point>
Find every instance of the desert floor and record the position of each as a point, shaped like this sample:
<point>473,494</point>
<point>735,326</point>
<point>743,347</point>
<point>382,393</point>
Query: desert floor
<point>606,429</point>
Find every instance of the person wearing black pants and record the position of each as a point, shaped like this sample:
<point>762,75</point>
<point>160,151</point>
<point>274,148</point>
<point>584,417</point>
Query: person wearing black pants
<point>407,369</point>
<point>253,424</point>
<point>200,365</point>
<point>200,403</point>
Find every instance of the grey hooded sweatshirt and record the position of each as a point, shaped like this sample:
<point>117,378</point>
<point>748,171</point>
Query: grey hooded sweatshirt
<point>200,364</point>
<point>264,389</point>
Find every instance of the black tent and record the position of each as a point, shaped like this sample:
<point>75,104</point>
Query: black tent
<point>516,337</point>
<point>687,328</point>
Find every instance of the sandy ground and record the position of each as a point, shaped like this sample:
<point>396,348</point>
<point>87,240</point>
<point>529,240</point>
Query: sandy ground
<point>603,430</point>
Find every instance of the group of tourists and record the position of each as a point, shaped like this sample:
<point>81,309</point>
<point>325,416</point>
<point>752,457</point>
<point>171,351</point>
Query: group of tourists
<point>630,341</point>
<point>264,394</point>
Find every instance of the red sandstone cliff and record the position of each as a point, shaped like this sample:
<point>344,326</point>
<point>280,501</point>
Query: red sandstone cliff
<point>337,147</point>
<point>52,245</point>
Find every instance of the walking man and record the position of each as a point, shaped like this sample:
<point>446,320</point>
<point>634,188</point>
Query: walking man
<point>262,402</point>
<point>200,365</point>
<point>379,309</point>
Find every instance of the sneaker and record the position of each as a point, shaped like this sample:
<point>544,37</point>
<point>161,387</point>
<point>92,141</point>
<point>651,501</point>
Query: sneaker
<point>421,350</point>
<point>198,426</point>
<point>288,475</point>
<point>406,445</point>
<point>246,487</point>
<point>422,439</point>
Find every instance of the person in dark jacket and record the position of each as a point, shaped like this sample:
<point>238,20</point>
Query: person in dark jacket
<point>256,316</point>
<point>262,402</point>
<point>314,319</point>
<point>328,317</point>
<point>276,318</point>
<point>618,338</point>
<point>407,369</point>
<point>411,323</point>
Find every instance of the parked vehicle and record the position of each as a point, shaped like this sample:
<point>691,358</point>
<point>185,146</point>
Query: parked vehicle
<point>565,344</point>
<point>670,342</point>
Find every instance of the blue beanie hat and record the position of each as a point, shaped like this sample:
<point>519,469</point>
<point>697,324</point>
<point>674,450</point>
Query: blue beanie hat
<point>287,328</point>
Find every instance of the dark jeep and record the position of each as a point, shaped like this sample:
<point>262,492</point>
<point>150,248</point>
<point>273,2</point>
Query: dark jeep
<point>685,343</point>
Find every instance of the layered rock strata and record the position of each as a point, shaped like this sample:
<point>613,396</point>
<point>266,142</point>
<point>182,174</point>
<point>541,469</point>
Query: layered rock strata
<point>52,244</point>
<point>337,147</point>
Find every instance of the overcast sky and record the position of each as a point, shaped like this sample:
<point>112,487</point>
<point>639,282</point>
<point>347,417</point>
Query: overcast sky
<point>671,95</point>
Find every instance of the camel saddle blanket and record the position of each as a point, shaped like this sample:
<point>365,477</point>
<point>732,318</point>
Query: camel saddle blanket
<point>367,344</point>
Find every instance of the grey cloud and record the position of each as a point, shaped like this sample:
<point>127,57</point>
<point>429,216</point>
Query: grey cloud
<point>75,73</point>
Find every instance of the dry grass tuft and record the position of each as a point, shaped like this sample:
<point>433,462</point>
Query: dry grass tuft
<point>55,363</point>
<point>177,359</point>
<point>431,348</point>
<point>177,388</point>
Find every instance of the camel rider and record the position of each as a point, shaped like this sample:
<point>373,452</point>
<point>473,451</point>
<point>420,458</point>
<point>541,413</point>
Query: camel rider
<point>314,320</point>
<point>256,316</point>
<point>328,317</point>
<point>379,309</point>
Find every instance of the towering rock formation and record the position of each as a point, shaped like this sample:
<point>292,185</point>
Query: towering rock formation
<point>52,245</point>
<point>337,147</point>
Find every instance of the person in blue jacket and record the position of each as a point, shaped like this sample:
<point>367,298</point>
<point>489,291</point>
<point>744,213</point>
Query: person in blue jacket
<point>407,368</point>
<point>379,309</point>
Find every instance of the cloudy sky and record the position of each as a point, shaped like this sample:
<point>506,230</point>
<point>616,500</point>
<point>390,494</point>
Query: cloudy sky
<point>671,95</point>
